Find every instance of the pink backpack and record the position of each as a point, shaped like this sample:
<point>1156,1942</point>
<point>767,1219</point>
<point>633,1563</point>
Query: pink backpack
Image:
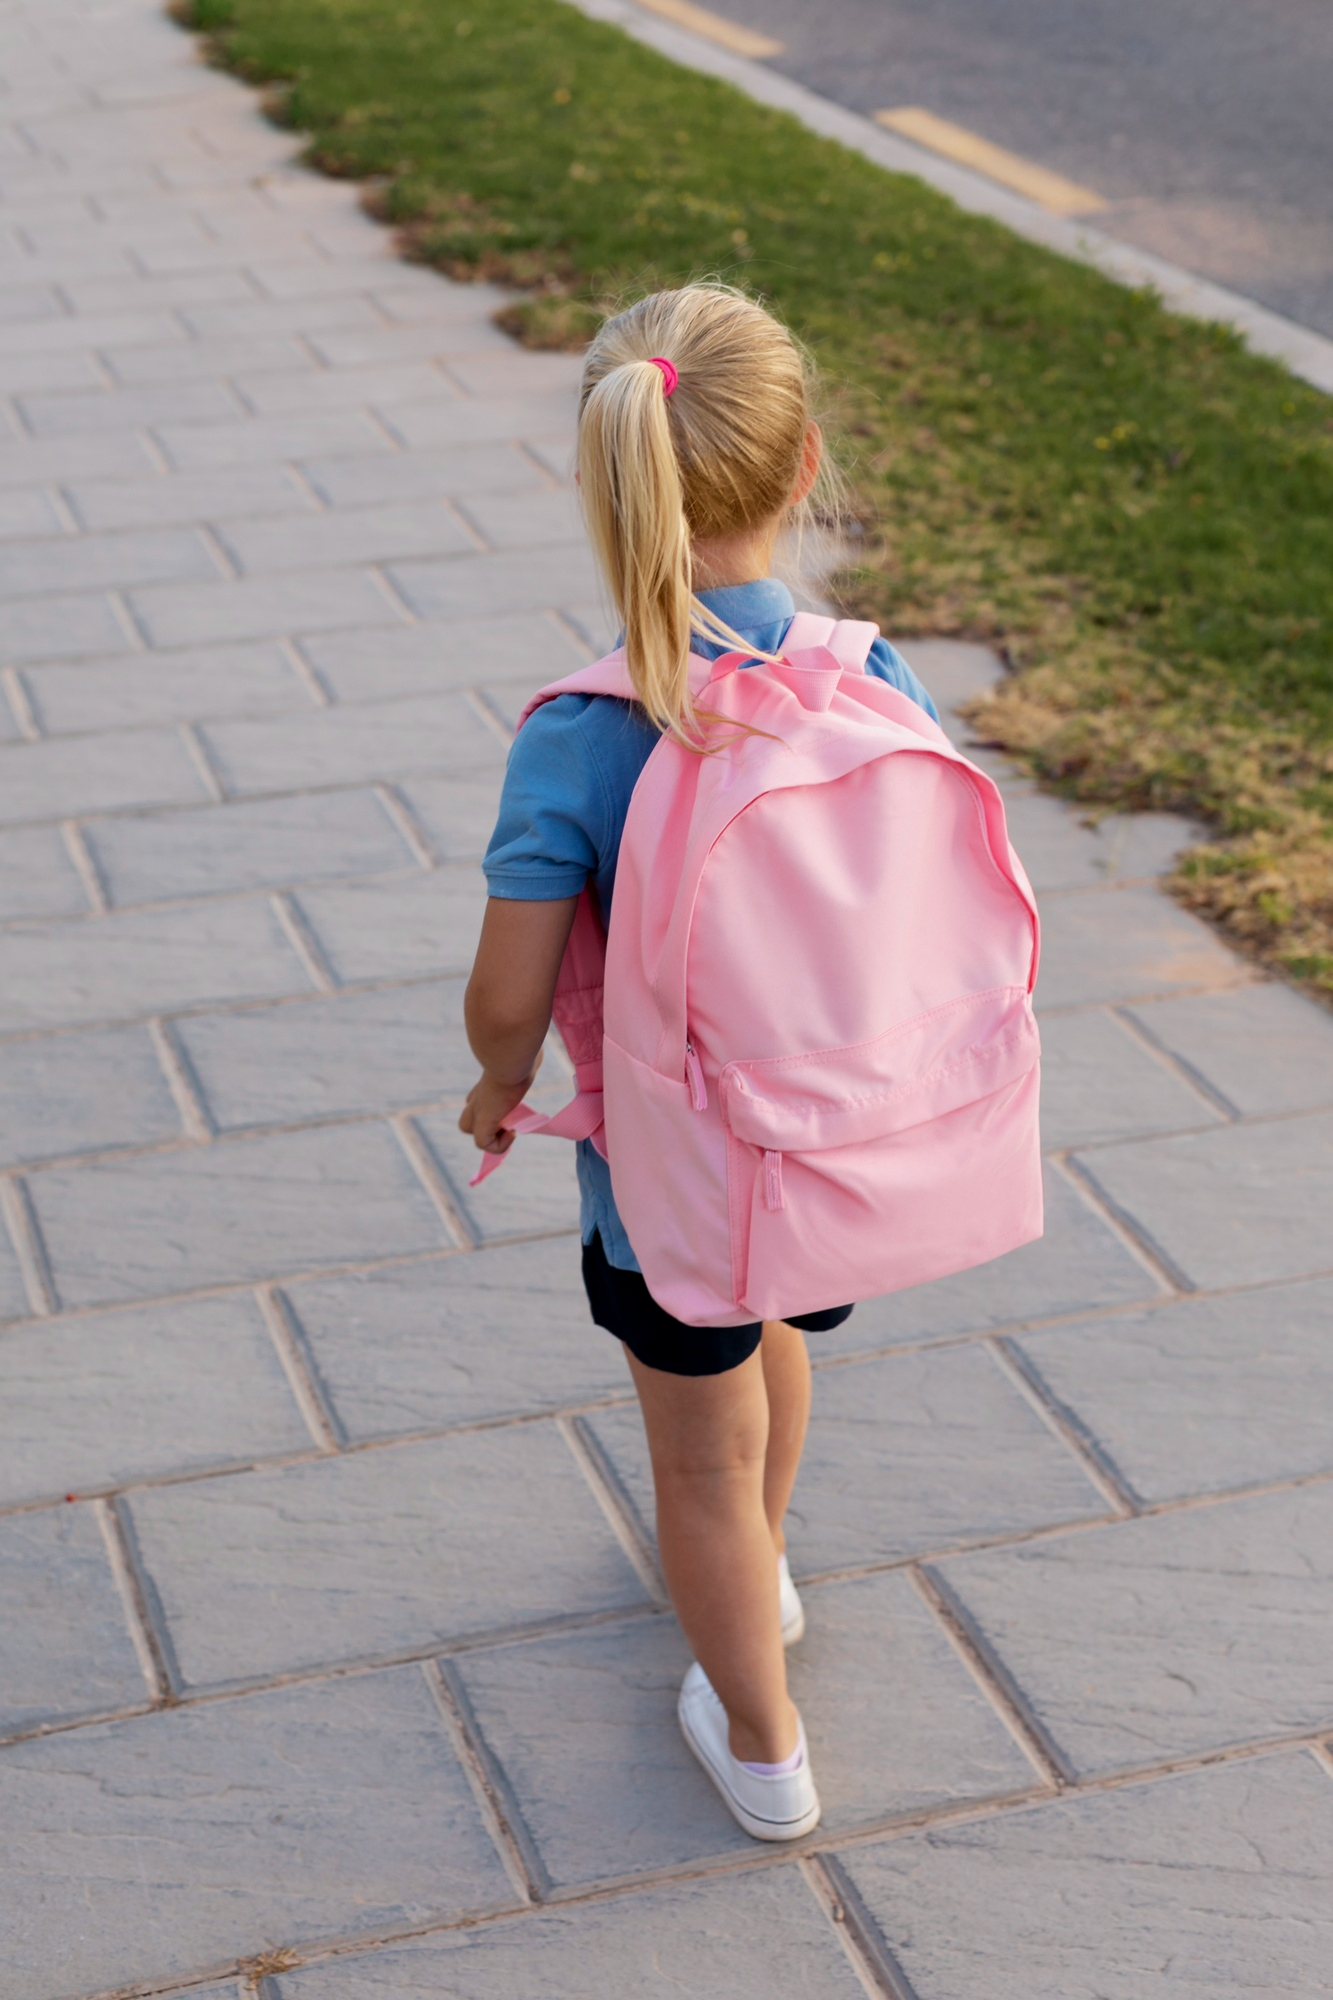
<point>815,1075</point>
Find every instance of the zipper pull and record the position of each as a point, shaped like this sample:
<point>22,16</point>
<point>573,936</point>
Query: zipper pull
<point>695,1075</point>
<point>773,1181</point>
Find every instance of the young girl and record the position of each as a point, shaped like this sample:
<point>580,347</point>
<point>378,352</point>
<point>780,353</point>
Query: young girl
<point>696,443</point>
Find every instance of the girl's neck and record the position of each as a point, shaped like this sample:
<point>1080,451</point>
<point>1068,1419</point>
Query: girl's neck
<point>730,560</point>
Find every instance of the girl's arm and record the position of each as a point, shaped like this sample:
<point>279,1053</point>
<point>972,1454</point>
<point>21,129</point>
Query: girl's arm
<point>507,1008</point>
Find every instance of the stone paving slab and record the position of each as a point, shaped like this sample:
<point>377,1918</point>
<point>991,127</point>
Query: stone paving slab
<point>1128,944</point>
<point>143,1393</point>
<point>248,1210</point>
<point>355,1053</point>
<point>476,420</point>
<point>311,600</point>
<point>428,659</point>
<point>1099,1083</point>
<point>190,685</point>
<point>1241,1206</point>
<point>1169,1636</point>
<point>1209,1882</point>
<point>644,1803</point>
<point>893,1465</point>
<point>82,1093</point>
<point>748,1937</point>
<point>264,844</point>
<point>1202,1396</point>
<point>103,562</point>
<point>347,746</point>
<point>351,534</point>
<point>376,1553</point>
<point>457,472</point>
<point>1263,1048</point>
<point>65,1649</point>
<point>490,584</point>
<point>57,779</point>
<point>137,962</point>
<point>397,926</point>
<point>169,1844</point>
<point>37,877</point>
<point>94,455</point>
<point>57,628</point>
<point>465,1340</point>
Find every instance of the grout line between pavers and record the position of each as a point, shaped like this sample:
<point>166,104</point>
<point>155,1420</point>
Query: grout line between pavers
<point>993,1677</point>
<point>1171,1065</point>
<point>85,866</point>
<point>20,706</point>
<point>480,703</point>
<point>1125,1228</point>
<point>408,825</point>
<point>1093,1461</point>
<point>303,942</point>
<point>489,1783</point>
<point>30,1251</point>
<point>127,1588</point>
<point>187,1094</point>
<point>309,676</point>
<point>133,626</point>
<point>379,575</point>
<point>428,1171</point>
<point>617,1508</point>
<point>215,542</point>
<point>298,1365</point>
<point>197,750</point>
<point>148,1624</point>
<point>1178,1065</point>
<point>854,1927</point>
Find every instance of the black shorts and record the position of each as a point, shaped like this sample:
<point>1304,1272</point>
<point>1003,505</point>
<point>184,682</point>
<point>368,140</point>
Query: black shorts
<point>623,1304</point>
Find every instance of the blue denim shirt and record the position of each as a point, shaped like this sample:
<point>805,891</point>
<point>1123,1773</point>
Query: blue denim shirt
<point>567,790</point>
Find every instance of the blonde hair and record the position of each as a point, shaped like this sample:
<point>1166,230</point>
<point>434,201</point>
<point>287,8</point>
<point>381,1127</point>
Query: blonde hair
<point>719,455</point>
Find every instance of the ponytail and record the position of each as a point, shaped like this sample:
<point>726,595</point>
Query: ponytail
<point>714,454</point>
<point>634,505</point>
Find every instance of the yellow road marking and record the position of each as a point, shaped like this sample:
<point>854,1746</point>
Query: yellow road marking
<point>727,34</point>
<point>1053,191</point>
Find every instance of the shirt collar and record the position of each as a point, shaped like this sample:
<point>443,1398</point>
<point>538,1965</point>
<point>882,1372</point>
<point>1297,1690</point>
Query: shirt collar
<point>748,606</point>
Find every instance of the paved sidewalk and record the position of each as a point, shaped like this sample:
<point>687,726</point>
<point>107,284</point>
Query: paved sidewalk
<point>332,1641</point>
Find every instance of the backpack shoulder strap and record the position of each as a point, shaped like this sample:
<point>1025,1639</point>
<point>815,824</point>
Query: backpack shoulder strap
<point>848,639</point>
<point>606,676</point>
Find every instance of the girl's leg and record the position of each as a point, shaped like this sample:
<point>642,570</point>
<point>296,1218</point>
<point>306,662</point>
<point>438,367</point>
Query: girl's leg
<point>787,1380</point>
<point>708,1435</point>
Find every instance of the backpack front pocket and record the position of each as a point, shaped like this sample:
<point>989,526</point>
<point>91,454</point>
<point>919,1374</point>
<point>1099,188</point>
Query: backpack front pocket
<point>863,1170</point>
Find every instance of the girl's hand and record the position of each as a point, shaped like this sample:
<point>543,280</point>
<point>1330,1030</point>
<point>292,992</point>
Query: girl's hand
<point>489,1103</point>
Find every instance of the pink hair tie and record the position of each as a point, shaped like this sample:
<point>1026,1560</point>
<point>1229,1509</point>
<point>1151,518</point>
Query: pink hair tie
<point>669,375</point>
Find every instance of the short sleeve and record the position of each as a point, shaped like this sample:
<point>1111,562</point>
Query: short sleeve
<point>888,664</point>
<point>552,821</point>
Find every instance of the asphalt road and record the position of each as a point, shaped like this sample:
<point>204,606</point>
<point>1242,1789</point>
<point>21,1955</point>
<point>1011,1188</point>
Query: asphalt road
<point>1206,124</point>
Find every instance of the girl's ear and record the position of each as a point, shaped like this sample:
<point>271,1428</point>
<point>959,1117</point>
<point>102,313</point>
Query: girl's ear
<point>812,456</point>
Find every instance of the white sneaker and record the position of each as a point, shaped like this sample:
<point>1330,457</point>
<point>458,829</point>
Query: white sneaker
<point>781,1808</point>
<point>789,1602</point>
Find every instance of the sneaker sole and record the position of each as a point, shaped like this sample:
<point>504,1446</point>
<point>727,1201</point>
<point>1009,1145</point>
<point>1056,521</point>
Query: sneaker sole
<point>758,1829</point>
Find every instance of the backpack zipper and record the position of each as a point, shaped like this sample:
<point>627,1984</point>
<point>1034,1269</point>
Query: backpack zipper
<point>695,1076</point>
<point>773,1181</point>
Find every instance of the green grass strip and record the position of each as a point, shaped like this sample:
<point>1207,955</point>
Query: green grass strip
<point>1140,510</point>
